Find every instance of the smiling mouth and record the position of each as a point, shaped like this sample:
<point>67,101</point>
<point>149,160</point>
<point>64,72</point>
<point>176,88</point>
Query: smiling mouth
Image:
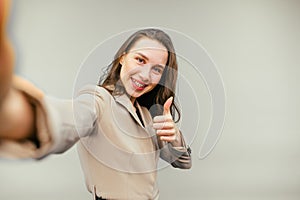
<point>137,84</point>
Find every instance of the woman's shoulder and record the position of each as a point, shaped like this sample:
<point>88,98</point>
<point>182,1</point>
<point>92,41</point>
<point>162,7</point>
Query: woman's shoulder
<point>96,90</point>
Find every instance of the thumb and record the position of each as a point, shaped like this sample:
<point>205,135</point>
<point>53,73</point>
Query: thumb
<point>167,106</point>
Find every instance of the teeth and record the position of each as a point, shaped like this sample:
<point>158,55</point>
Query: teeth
<point>138,84</point>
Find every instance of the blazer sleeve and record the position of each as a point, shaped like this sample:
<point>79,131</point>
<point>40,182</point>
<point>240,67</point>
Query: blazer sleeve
<point>58,123</point>
<point>179,157</point>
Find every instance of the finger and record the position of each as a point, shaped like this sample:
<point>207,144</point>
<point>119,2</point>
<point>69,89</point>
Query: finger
<point>166,132</point>
<point>167,106</point>
<point>164,125</point>
<point>162,118</point>
<point>6,51</point>
<point>168,138</point>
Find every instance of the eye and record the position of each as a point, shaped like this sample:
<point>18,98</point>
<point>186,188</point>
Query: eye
<point>140,60</point>
<point>157,70</point>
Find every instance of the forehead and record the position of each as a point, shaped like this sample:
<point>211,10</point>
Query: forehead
<point>152,49</point>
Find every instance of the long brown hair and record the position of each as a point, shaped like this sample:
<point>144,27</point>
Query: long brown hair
<point>155,99</point>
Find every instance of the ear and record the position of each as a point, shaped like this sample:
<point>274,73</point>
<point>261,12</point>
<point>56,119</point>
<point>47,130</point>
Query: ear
<point>122,59</point>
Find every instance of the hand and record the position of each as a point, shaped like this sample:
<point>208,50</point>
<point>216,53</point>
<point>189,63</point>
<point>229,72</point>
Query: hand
<point>164,125</point>
<point>16,117</point>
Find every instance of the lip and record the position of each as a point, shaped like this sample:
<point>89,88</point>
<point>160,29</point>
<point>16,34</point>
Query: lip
<point>138,85</point>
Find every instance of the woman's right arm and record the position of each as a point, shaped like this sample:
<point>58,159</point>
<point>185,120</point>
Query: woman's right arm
<point>33,125</point>
<point>16,114</point>
<point>56,124</point>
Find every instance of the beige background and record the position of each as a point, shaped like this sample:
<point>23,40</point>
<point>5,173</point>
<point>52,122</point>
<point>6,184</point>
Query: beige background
<point>255,45</point>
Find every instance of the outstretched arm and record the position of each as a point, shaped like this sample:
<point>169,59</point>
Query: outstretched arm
<point>33,125</point>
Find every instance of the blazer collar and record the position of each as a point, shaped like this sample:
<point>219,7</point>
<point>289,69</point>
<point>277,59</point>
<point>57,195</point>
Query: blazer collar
<point>124,100</point>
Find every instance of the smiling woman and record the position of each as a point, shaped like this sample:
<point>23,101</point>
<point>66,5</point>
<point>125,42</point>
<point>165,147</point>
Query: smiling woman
<point>153,49</point>
<point>119,133</point>
<point>142,67</point>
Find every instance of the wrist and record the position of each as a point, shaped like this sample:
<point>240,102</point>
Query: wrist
<point>178,141</point>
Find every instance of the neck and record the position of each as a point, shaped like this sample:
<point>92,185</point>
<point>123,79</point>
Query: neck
<point>132,99</point>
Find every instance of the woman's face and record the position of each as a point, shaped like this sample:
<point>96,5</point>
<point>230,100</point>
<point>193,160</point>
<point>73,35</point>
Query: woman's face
<point>143,66</point>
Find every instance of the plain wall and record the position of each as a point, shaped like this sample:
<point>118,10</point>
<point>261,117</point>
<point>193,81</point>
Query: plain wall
<point>255,45</point>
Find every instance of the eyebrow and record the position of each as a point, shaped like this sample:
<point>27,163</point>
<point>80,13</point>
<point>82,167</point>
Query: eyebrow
<point>146,58</point>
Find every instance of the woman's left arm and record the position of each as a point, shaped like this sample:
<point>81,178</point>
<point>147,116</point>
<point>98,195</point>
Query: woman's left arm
<point>171,141</point>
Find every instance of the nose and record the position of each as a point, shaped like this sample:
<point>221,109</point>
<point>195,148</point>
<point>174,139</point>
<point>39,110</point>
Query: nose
<point>145,73</point>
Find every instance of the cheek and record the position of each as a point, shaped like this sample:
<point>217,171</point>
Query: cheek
<point>128,69</point>
<point>125,68</point>
<point>155,79</point>
<point>125,74</point>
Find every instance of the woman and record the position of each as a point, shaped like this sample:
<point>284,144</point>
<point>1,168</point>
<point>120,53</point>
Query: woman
<point>123,125</point>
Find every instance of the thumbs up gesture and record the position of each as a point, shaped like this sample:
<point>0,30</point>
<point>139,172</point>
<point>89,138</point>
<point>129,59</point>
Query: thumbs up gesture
<point>164,125</point>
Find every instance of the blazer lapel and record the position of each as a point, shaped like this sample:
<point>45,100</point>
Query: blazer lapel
<point>125,102</point>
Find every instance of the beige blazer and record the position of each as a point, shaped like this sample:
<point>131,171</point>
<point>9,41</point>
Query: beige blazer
<point>118,153</point>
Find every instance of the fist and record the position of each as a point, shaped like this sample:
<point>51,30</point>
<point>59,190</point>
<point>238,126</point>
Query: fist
<point>164,125</point>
